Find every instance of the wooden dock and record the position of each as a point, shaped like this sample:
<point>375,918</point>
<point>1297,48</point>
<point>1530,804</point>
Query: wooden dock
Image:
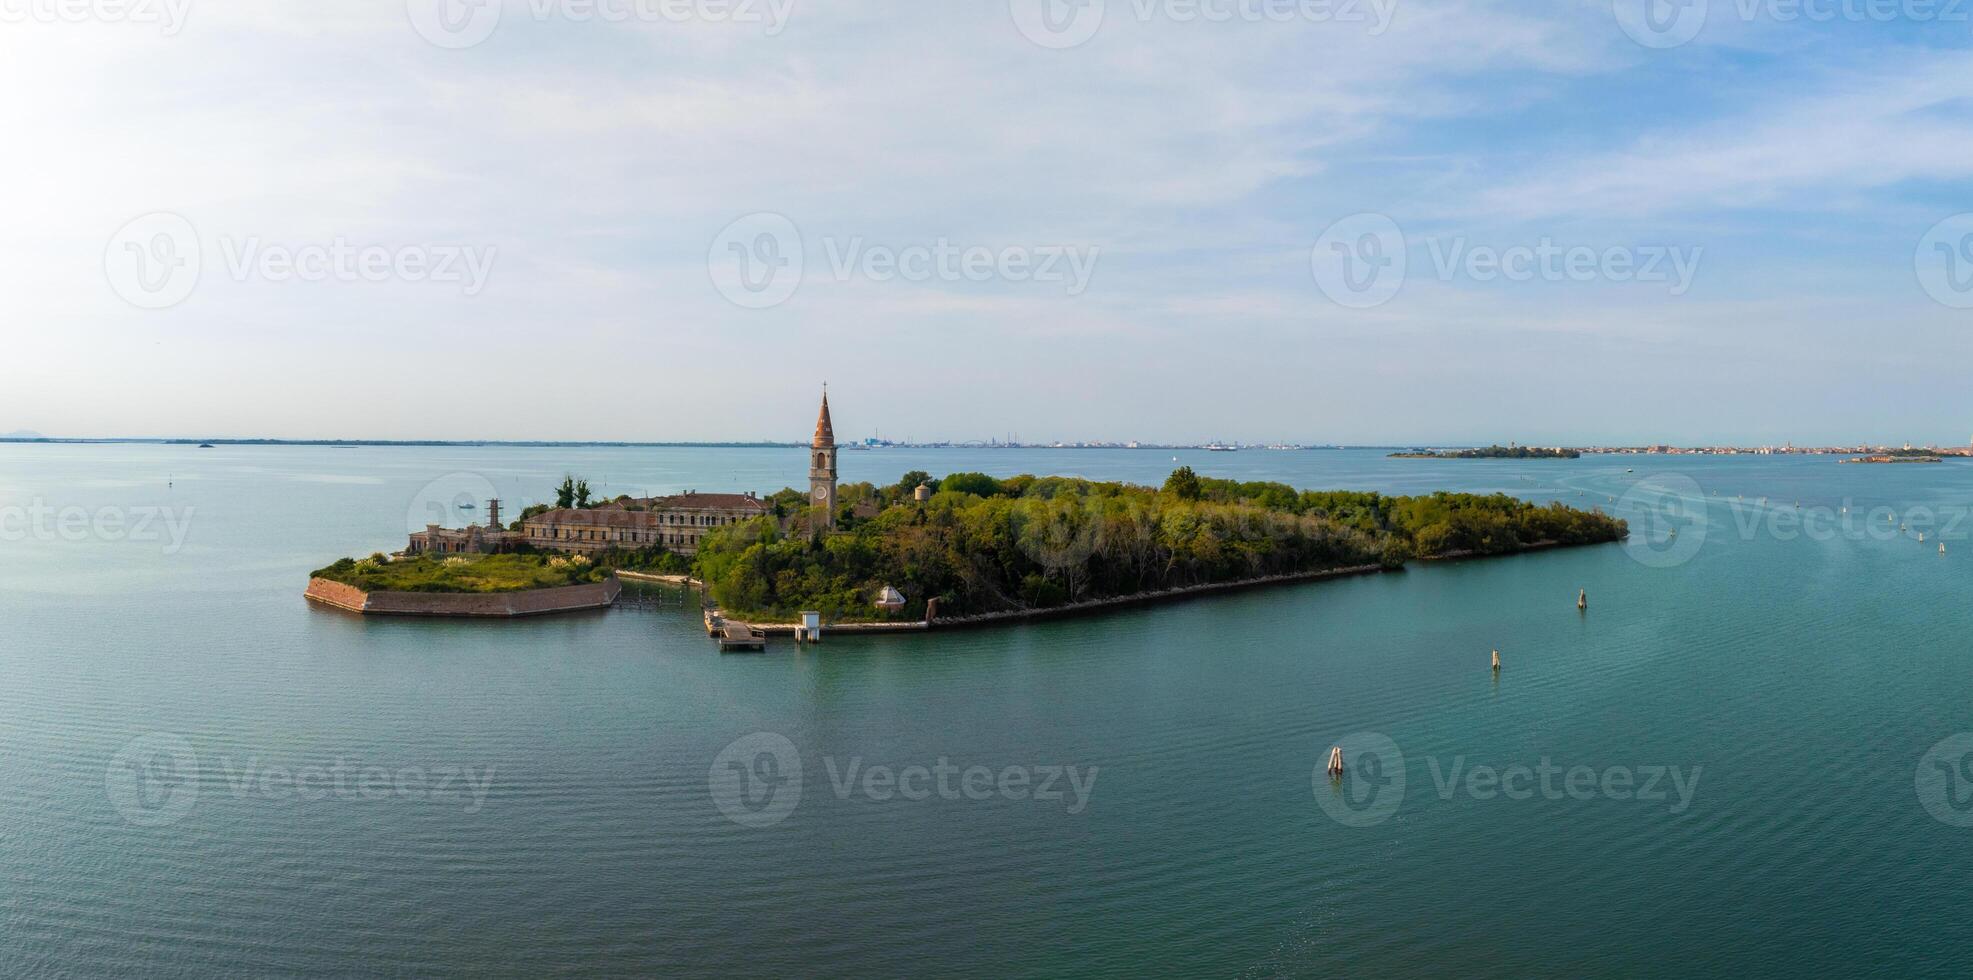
<point>740,636</point>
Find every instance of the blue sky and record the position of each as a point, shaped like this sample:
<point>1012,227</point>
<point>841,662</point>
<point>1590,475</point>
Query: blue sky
<point>598,169</point>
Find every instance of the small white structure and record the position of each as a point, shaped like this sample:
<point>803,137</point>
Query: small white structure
<point>810,630</point>
<point>890,600</point>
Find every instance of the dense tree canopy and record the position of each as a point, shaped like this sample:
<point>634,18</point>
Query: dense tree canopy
<point>982,544</point>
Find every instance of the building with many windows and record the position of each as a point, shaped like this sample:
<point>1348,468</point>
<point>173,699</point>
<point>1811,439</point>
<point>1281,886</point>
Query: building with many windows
<point>676,523</point>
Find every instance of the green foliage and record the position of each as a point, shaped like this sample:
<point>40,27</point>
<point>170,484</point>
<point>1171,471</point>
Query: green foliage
<point>655,558</point>
<point>902,489</point>
<point>573,491</point>
<point>1036,542</point>
<point>463,573</point>
<point>1183,483</point>
<point>977,484</point>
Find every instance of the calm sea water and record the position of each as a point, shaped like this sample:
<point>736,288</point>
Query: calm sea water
<point>547,795</point>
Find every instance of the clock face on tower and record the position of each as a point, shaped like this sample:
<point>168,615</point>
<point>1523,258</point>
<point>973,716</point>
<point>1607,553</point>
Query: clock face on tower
<point>821,493</point>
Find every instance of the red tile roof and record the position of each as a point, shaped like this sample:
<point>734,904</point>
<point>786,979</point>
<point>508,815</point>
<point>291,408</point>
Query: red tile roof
<point>706,501</point>
<point>613,514</point>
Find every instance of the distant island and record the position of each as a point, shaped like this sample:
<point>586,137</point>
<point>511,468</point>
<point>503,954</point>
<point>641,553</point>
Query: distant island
<point>1491,452</point>
<point>972,545</point>
<point>1897,456</point>
<point>967,546</point>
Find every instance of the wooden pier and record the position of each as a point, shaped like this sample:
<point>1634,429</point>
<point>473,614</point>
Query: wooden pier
<point>740,636</point>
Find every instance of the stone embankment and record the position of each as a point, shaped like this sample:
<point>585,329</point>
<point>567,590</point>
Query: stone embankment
<point>533,602</point>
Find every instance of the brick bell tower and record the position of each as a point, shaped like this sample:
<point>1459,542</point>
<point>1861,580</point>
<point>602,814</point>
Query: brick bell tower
<point>822,465</point>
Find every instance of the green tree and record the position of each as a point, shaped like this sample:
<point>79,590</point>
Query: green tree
<point>1183,483</point>
<point>977,484</point>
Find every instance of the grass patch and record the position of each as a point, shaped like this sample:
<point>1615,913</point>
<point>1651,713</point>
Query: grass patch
<point>463,573</point>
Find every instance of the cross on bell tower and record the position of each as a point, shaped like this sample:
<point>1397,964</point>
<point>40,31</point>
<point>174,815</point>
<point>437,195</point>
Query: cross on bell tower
<point>822,465</point>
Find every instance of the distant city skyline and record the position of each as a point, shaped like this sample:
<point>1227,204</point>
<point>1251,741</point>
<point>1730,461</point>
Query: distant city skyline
<point>342,222</point>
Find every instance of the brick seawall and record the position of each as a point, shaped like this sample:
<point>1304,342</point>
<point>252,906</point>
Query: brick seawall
<point>534,602</point>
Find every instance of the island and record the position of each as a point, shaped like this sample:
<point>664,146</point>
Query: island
<point>976,548</point>
<point>498,585</point>
<point>964,548</point>
<point>1491,452</point>
<point>1896,457</point>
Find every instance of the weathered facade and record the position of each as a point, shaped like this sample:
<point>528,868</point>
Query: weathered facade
<point>473,539</point>
<point>676,523</point>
